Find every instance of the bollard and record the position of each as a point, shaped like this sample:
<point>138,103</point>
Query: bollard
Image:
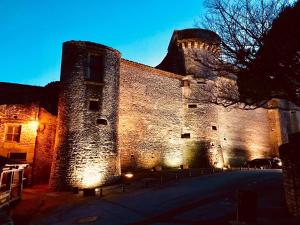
<point>190,173</point>
<point>176,176</point>
<point>101,192</point>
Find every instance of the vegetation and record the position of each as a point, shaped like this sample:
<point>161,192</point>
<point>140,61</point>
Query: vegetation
<point>260,46</point>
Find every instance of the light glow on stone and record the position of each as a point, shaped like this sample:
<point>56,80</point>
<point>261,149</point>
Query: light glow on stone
<point>219,165</point>
<point>173,160</point>
<point>90,177</point>
<point>173,157</point>
<point>255,151</point>
<point>33,125</point>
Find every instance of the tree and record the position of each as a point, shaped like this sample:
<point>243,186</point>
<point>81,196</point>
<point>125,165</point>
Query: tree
<point>275,72</point>
<point>242,26</point>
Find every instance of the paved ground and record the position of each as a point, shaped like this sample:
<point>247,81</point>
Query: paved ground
<point>209,199</point>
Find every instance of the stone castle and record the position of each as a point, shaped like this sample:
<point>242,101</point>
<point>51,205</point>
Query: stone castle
<point>108,114</point>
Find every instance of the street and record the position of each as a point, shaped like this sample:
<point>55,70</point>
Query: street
<point>209,199</point>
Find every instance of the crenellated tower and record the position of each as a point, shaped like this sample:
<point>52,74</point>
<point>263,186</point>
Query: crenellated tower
<point>200,130</point>
<point>86,154</point>
<point>186,47</point>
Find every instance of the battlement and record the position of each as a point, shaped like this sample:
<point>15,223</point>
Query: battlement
<point>195,38</point>
<point>185,46</point>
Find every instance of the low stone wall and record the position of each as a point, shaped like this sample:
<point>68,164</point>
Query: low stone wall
<point>291,173</point>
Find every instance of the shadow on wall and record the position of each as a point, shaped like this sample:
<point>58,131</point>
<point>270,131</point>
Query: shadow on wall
<point>238,157</point>
<point>197,154</point>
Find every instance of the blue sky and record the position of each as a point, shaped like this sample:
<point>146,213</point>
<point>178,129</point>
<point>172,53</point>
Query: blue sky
<point>32,31</point>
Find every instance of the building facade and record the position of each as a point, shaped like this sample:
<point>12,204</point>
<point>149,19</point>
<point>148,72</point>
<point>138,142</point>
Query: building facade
<point>108,114</point>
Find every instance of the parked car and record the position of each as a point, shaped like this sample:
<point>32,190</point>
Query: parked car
<point>259,163</point>
<point>265,163</point>
<point>276,163</point>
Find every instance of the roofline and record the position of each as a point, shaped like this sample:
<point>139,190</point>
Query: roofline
<point>152,69</point>
<point>23,85</point>
<point>89,44</point>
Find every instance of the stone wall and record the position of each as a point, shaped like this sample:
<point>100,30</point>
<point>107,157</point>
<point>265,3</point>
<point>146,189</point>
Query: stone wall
<point>25,115</point>
<point>44,147</point>
<point>86,153</point>
<point>202,148</point>
<point>291,173</point>
<point>245,135</point>
<point>289,116</point>
<point>150,117</point>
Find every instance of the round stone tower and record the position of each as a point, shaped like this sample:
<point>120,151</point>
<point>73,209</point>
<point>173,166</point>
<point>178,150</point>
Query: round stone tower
<point>86,153</point>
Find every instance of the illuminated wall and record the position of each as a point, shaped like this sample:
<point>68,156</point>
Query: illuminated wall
<point>44,147</point>
<point>25,115</point>
<point>114,113</point>
<point>150,117</point>
<point>244,135</point>
<point>202,148</point>
<point>86,154</point>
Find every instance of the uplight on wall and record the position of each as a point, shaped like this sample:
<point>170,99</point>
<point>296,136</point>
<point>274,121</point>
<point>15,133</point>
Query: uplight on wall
<point>128,175</point>
<point>90,177</point>
<point>33,125</point>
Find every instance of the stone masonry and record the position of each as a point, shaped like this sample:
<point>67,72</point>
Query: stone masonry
<point>114,115</point>
<point>86,152</point>
<point>291,173</point>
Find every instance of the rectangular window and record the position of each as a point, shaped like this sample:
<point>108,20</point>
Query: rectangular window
<point>18,156</point>
<point>192,106</point>
<point>185,83</point>
<point>96,68</point>
<point>94,105</point>
<point>102,121</point>
<point>186,135</point>
<point>13,133</point>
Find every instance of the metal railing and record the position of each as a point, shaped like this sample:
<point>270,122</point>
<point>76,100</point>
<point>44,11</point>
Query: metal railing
<point>11,183</point>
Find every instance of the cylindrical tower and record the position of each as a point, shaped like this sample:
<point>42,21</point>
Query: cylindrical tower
<point>86,153</point>
<point>190,52</point>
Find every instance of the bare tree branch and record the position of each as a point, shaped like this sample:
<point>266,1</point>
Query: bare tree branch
<point>242,26</point>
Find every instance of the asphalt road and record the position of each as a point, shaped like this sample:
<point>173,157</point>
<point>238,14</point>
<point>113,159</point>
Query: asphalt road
<point>210,199</point>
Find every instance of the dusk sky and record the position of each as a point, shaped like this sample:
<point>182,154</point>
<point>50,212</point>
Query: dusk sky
<point>32,32</point>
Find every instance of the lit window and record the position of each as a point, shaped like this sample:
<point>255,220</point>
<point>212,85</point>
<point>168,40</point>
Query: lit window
<point>13,133</point>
